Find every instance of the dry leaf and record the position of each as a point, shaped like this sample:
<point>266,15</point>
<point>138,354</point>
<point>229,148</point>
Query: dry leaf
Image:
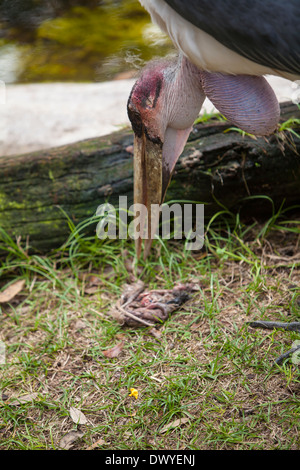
<point>156,333</point>
<point>11,291</point>
<point>115,351</point>
<point>77,416</point>
<point>91,290</point>
<point>120,336</point>
<point>23,399</point>
<point>100,442</point>
<point>174,424</point>
<point>80,325</point>
<point>68,440</point>
<point>90,278</point>
<point>94,280</point>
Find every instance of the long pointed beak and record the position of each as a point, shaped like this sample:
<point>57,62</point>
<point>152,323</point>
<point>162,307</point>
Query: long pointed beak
<point>148,190</point>
<point>153,168</point>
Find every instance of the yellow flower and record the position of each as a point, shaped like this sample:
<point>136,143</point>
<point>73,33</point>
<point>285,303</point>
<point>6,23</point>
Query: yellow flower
<point>133,393</point>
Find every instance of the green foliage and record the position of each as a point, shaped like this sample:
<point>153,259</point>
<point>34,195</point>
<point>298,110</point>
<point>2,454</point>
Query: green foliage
<point>84,43</point>
<point>289,125</point>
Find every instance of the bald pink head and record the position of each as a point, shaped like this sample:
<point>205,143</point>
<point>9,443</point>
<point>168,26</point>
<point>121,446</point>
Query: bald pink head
<point>145,102</point>
<point>171,93</point>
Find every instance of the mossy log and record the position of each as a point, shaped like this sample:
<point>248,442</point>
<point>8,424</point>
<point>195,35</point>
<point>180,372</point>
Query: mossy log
<point>218,165</point>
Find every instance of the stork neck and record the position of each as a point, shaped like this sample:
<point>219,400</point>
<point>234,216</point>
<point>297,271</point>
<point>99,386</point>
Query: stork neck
<point>187,67</point>
<point>185,95</point>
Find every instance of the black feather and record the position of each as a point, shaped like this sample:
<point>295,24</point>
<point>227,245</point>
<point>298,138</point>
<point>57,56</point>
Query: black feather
<point>264,31</point>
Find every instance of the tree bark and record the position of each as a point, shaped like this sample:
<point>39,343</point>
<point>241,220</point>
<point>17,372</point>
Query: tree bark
<point>218,166</point>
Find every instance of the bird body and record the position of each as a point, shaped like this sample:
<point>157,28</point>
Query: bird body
<point>225,47</point>
<point>256,37</point>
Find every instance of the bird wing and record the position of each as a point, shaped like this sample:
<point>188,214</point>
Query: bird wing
<point>264,31</point>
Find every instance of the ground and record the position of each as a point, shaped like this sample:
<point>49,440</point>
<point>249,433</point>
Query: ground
<point>202,380</point>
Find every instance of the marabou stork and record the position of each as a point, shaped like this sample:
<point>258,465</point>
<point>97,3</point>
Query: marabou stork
<point>225,47</point>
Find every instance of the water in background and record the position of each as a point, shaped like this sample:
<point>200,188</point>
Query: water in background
<point>75,40</point>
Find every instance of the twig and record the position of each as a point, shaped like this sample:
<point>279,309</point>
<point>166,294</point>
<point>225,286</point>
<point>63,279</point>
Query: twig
<point>131,315</point>
<point>283,356</point>
<point>270,325</point>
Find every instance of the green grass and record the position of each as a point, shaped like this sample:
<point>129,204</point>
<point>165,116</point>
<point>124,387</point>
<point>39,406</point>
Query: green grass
<point>208,366</point>
<point>288,125</point>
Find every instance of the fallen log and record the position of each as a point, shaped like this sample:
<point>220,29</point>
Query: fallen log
<point>218,165</point>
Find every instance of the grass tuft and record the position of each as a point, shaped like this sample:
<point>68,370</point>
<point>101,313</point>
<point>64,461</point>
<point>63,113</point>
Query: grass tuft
<point>208,382</point>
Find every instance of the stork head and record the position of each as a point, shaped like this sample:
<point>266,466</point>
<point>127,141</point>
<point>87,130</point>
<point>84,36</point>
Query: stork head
<point>162,107</point>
